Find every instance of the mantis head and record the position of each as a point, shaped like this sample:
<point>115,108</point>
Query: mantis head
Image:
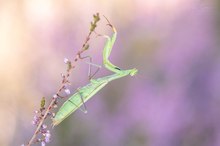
<point>133,71</point>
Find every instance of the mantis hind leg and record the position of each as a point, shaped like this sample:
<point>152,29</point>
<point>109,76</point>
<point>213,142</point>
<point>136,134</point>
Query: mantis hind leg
<point>83,103</point>
<point>84,109</point>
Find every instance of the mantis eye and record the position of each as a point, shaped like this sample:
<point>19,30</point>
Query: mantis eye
<point>133,72</point>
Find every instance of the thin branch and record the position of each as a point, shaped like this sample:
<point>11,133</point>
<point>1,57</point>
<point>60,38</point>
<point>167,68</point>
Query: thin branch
<point>65,80</point>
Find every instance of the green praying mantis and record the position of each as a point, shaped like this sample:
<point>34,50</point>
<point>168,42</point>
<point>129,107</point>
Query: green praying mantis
<point>83,94</point>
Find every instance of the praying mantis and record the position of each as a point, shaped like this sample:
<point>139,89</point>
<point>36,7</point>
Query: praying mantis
<point>83,94</point>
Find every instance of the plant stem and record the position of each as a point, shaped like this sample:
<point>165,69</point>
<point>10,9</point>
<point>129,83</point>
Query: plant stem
<point>41,122</point>
<point>65,79</point>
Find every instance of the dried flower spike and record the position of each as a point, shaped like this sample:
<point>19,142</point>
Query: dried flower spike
<point>43,113</point>
<point>42,103</point>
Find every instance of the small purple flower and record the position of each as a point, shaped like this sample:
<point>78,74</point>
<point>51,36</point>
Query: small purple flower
<point>67,91</point>
<point>35,118</point>
<point>55,96</point>
<point>36,112</point>
<point>22,145</point>
<point>65,60</point>
<point>43,143</point>
<point>44,126</point>
<point>47,137</point>
<point>34,122</point>
<point>62,75</point>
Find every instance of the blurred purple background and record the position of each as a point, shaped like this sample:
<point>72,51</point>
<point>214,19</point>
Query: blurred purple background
<point>173,101</point>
